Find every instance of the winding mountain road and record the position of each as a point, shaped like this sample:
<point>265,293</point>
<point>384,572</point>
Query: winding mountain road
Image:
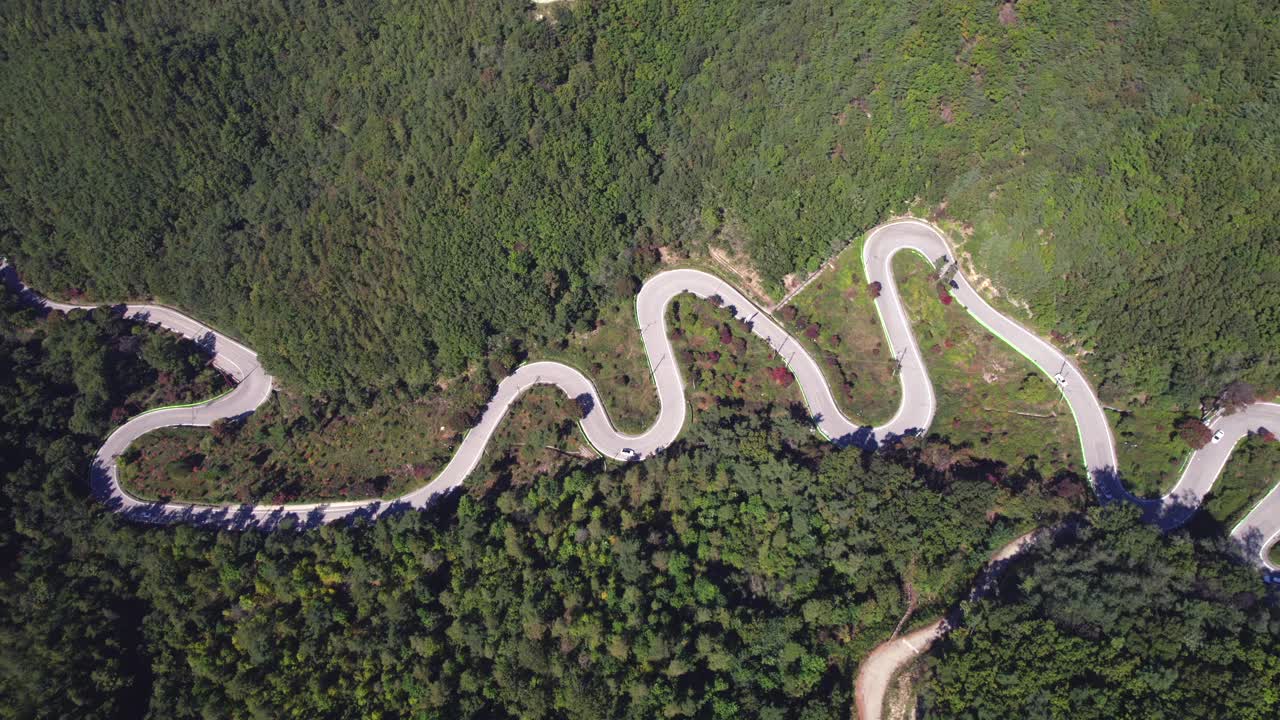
<point>1257,531</point>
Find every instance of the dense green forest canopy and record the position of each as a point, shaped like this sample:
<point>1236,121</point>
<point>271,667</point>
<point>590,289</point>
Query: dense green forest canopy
<point>370,193</point>
<point>1116,620</point>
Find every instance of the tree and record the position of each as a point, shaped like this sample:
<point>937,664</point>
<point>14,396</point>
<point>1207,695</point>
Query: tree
<point>1236,396</point>
<point>782,376</point>
<point>1194,432</point>
<point>581,406</point>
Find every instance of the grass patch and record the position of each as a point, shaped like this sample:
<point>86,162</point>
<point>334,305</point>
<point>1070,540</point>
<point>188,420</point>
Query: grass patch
<point>1150,453</point>
<point>539,436</point>
<point>285,452</point>
<point>724,364</point>
<point>836,321</point>
<point>991,400</point>
<point>613,357</point>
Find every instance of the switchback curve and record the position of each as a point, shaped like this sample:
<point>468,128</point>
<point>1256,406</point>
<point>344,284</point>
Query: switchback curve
<point>1258,530</point>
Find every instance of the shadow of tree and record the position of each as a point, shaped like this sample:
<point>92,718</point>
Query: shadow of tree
<point>586,403</point>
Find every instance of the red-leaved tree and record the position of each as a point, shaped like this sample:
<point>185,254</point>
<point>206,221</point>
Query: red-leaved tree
<point>1194,433</point>
<point>782,376</point>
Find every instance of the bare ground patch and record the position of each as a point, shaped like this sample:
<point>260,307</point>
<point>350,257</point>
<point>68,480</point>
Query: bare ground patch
<point>739,264</point>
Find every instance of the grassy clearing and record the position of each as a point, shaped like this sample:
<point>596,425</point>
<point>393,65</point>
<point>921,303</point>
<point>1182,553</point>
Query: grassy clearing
<point>991,400</point>
<point>724,364</point>
<point>1254,468</point>
<point>285,453</point>
<point>1150,452</point>
<point>540,435</point>
<point>835,318</point>
<point>613,357</point>
<point>279,456</point>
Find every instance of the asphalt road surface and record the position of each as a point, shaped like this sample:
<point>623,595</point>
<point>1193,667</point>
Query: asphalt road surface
<point>915,413</point>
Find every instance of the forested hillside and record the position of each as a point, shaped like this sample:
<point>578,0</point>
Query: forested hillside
<point>1116,621</point>
<point>370,193</point>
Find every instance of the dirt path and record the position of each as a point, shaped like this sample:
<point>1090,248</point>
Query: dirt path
<point>876,673</point>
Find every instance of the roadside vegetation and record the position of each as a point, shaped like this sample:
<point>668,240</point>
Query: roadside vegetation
<point>539,436</point>
<point>1251,473</point>
<point>835,318</point>
<point>294,451</point>
<point>993,404</point>
<point>991,400</point>
<point>745,572</point>
<point>612,356</point>
<point>1148,445</point>
<point>104,368</point>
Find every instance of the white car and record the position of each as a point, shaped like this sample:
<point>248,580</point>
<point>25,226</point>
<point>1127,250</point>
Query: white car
<point>1272,578</point>
<point>1217,437</point>
<point>1060,379</point>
